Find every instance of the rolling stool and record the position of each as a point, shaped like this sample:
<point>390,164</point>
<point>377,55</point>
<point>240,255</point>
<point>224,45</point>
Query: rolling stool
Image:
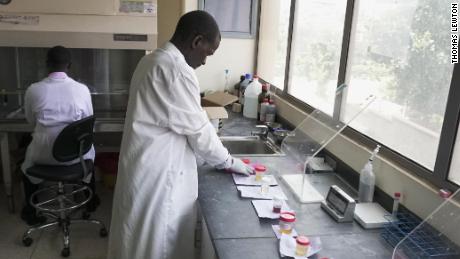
<point>73,142</point>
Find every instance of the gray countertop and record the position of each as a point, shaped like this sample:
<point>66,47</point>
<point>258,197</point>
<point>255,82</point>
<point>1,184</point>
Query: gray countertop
<point>237,232</point>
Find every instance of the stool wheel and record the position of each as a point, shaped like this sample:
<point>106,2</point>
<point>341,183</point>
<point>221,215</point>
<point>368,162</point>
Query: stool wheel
<point>103,232</point>
<point>27,241</point>
<point>65,252</point>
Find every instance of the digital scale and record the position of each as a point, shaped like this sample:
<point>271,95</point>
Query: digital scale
<point>343,208</point>
<point>371,215</point>
<point>339,205</point>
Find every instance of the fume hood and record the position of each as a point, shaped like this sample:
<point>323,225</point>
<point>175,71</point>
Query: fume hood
<point>102,24</point>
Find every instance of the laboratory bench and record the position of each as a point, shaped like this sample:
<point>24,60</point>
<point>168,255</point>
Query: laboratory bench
<point>235,230</point>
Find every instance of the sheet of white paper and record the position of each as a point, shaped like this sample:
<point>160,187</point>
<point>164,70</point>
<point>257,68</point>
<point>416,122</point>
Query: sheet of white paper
<point>255,193</point>
<point>276,230</point>
<point>264,208</point>
<point>251,180</point>
<point>288,245</point>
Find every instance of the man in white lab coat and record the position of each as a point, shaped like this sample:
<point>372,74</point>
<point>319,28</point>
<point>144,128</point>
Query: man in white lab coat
<point>154,211</point>
<point>50,105</point>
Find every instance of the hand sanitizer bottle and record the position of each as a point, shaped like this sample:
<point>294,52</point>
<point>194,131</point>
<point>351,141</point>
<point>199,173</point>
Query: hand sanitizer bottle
<point>367,180</point>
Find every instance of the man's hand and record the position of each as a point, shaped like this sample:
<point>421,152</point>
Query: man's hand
<point>239,167</point>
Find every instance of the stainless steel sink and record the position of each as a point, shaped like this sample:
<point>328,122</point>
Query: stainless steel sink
<point>250,146</point>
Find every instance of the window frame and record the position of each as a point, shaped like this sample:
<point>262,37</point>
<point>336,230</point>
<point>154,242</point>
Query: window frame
<point>253,26</point>
<point>439,175</point>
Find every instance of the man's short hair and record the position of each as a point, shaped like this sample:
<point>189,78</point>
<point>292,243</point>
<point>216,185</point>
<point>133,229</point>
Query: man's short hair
<point>58,57</point>
<point>194,23</point>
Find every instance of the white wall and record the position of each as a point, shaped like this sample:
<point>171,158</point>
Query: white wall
<point>237,55</point>
<point>169,12</point>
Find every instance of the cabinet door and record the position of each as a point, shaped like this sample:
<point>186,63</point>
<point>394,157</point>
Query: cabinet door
<point>60,6</point>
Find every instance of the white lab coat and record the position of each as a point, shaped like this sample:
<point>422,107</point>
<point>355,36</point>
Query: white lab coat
<point>50,105</point>
<point>154,211</point>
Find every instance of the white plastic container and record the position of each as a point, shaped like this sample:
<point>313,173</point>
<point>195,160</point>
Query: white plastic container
<point>367,180</point>
<point>251,98</point>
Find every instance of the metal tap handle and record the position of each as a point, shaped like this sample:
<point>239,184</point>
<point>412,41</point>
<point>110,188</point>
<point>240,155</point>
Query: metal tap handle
<point>264,127</point>
<point>263,132</point>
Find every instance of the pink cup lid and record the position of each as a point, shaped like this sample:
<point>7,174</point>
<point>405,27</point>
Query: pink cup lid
<point>303,240</point>
<point>287,217</point>
<point>260,168</point>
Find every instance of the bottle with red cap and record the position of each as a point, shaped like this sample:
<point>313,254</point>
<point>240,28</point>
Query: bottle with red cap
<point>286,222</point>
<point>260,172</point>
<point>303,245</point>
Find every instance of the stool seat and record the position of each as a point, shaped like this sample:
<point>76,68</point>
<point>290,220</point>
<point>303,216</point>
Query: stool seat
<point>60,173</point>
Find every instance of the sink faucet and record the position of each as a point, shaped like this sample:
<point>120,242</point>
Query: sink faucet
<point>262,133</point>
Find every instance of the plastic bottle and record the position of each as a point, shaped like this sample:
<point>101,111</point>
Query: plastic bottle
<point>251,95</point>
<point>367,179</point>
<point>271,112</point>
<point>226,86</point>
<point>260,171</point>
<point>244,84</point>
<point>263,110</point>
<point>262,96</point>
<point>303,245</point>
<point>269,93</point>
<point>236,90</point>
<point>396,198</point>
<point>286,222</point>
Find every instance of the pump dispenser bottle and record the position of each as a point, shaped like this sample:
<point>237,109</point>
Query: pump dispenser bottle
<point>367,179</point>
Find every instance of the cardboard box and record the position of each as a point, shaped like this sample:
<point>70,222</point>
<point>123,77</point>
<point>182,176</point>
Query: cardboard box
<point>215,115</point>
<point>216,112</point>
<point>218,99</point>
<point>214,104</point>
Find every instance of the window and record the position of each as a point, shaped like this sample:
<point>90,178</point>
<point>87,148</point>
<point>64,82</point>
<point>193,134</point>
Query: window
<point>400,52</point>
<point>236,18</point>
<point>273,39</point>
<point>315,55</point>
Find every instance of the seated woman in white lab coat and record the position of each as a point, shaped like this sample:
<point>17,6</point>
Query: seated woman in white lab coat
<point>50,105</point>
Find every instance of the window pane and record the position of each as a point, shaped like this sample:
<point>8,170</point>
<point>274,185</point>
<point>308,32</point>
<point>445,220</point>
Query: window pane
<point>231,16</point>
<point>316,47</point>
<point>273,36</point>
<point>400,51</point>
